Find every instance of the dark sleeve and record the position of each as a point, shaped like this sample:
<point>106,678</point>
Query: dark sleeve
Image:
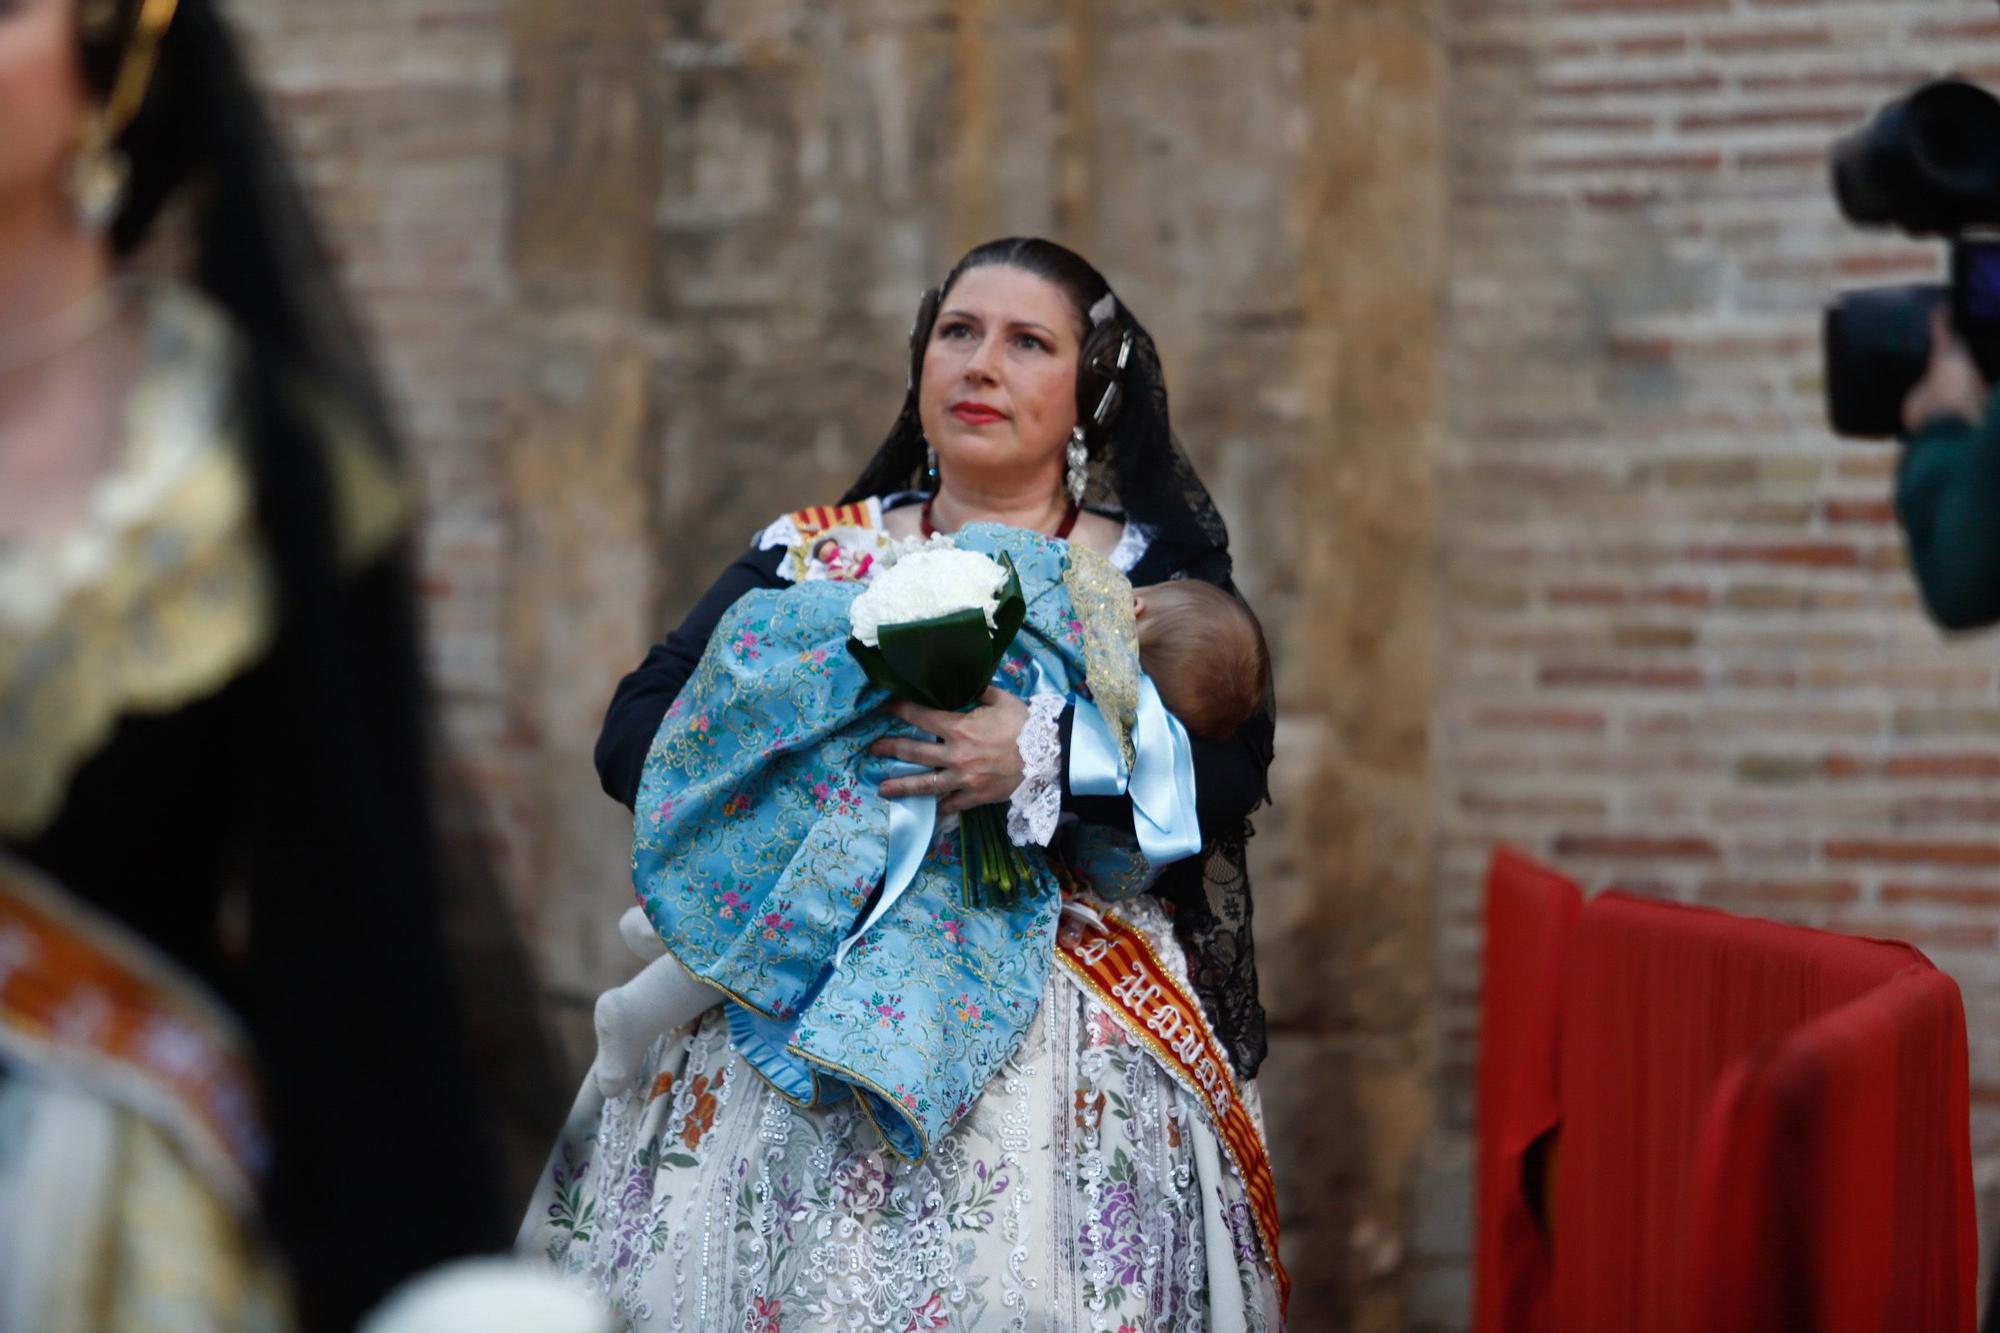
<point>1948,501</point>
<point>644,696</point>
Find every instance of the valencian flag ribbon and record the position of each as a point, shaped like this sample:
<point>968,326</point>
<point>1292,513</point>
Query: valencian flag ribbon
<point>819,518</point>
<point>1115,963</point>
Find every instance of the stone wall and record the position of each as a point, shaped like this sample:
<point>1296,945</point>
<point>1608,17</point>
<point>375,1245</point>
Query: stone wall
<point>642,275</point>
<point>1491,323</point>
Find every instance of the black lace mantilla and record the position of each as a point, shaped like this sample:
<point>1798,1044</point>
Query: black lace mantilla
<point>1140,467</point>
<point>1210,899</point>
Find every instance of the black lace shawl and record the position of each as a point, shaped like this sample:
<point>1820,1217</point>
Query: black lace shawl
<point>1141,468</point>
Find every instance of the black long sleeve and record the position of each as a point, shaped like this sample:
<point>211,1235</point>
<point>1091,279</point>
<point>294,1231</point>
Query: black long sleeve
<point>644,695</point>
<point>1229,774</point>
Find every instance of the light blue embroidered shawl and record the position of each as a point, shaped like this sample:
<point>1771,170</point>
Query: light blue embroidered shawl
<point>760,834</point>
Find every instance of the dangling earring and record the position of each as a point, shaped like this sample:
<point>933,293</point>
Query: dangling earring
<point>930,465</point>
<point>1075,478</point>
<point>99,173</point>
<point>97,178</point>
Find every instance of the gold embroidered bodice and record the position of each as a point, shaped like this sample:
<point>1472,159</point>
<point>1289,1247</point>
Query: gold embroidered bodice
<point>159,592</point>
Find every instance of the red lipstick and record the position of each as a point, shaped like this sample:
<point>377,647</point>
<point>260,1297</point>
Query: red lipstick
<point>977,414</point>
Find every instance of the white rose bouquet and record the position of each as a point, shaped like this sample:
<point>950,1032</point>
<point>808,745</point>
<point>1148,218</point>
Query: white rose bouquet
<point>932,627</point>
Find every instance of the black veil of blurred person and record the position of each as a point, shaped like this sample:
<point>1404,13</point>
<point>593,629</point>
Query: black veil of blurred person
<point>216,779</point>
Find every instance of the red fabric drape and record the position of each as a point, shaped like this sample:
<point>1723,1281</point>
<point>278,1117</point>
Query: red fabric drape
<point>1531,913</point>
<point>1662,999</point>
<point>1833,1185</point>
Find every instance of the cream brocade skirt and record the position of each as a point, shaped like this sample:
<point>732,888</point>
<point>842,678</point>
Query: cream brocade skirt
<point>1085,1191</point>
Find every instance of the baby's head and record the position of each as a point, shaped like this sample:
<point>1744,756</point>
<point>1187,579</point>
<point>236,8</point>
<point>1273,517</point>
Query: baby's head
<point>1205,652</point>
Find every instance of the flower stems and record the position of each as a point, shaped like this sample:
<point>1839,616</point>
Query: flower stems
<point>993,869</point>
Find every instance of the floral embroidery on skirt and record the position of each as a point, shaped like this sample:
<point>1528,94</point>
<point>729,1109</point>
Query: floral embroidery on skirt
<point>1072,1196</point>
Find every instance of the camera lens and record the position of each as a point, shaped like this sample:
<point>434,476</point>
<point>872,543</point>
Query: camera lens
<point>1927,163</point>
<point>1954,131</point>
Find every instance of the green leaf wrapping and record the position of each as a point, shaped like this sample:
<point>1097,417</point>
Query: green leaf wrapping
<point>950,658</point>
<point>946,661</point>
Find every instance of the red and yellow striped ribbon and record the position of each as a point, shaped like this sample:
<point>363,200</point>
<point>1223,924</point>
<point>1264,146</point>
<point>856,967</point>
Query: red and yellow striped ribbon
<point>816,519</point>
<point>1119,967</point>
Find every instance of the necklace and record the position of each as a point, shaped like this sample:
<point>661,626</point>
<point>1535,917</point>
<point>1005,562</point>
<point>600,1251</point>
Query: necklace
<point>1061,533</point>
<point>40,339</point>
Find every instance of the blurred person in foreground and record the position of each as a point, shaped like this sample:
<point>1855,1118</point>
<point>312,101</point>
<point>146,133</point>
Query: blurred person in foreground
<point>232,1090</point>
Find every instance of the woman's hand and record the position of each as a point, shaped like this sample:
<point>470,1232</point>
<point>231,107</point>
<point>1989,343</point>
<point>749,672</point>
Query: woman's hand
<point>1951,386</point>
<point>977,755</point>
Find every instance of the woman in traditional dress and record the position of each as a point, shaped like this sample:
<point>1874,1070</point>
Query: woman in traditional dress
<point>1112,1176</point>
<point>231,1091</point>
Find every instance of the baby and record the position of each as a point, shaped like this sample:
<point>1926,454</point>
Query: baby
<point>797,1010</point>
<point>1205,652</point>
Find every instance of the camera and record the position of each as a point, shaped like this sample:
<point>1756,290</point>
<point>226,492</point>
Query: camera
<point>1929,164</point>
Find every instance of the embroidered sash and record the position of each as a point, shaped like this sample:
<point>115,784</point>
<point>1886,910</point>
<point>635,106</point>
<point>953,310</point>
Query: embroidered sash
<point>81,998</point>
<point>1118,966</point>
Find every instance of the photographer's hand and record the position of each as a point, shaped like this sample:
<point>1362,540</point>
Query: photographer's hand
<point>1951,386</point>
<point>1948,489</point>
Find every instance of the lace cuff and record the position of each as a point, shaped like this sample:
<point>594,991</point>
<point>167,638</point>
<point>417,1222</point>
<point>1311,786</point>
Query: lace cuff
<point>1037,802</point>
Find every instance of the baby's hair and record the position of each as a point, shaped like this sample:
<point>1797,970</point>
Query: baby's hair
<point>1205,651</point>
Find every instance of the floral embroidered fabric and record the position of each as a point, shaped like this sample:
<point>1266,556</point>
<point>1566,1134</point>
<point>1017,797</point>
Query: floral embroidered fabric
<point>839,552</point>
<point>760,834</point>
<point>1080,1192</point>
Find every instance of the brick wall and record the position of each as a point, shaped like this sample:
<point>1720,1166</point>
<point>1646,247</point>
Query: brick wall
<point>1680,650</point>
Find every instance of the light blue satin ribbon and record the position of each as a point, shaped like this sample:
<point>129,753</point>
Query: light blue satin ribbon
<point>1160,780</point>
<point>912,825</point>
<point>1160,783</point>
